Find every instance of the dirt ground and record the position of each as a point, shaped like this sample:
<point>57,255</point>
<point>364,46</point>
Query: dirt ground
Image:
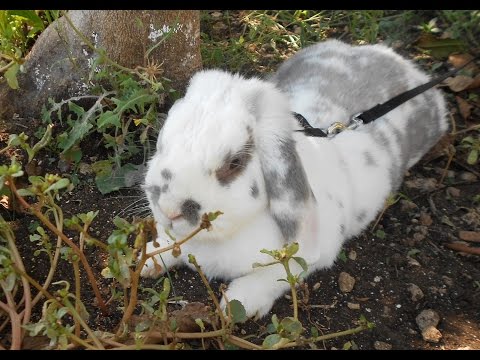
<point>399,271</point>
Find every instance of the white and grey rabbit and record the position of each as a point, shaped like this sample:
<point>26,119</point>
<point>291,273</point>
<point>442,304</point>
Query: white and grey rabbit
<point>230,145</point>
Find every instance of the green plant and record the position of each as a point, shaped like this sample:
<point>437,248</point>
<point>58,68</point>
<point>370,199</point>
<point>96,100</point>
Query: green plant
<point>18,29</point>
<point>472,145</point>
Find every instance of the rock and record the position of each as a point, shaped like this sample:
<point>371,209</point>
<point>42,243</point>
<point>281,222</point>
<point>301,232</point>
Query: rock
<point>427,318</point>
<point>406,205</point>
<point>412,262</point>
<point>353,306</point>
<point>424,184</point>
<point>453,191</point>
<point>352,255</point>
<point>346,282</point>
<point>431,334</point>
<point>316,286</point>
<point>377,279</point>
<point>425,219</point>
<point>447,280</point>
<point>415,292</point>
<point>380,345</point>
<point>468,176</point>
<point>418,237</point>
<point>427,322</point>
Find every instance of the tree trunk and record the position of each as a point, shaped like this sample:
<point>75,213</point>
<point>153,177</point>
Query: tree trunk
<point>59,63</point>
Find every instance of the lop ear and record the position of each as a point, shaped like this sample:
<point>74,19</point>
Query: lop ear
<point>286,184</point>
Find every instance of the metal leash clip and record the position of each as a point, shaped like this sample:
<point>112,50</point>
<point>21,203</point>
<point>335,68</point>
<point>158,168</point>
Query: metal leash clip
<point>338,127</point>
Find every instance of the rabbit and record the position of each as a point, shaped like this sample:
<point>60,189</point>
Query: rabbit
<point>231,144</point>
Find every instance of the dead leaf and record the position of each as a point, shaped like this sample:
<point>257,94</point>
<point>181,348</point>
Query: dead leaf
<point>458,60</point>
<point>439,48</point>
<point>464,107</point>
<point>472,236</point>
<point>475,83</point>
<point>459,82</point>
<point>457,246</point>
<point>425,219</point>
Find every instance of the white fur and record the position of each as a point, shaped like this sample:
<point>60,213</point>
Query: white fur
<point>350,176</point>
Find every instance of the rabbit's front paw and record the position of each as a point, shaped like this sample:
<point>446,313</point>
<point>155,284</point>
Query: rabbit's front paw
<point>256,302</point>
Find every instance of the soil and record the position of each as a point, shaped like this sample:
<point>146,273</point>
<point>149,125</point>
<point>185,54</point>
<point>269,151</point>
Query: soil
<point>408,246</point>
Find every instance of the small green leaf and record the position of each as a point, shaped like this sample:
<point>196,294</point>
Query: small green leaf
<point>25,192</point>
<point>342,256</point>
<point>275,321</point>
<point>11,76</point>
<point>292,326</point>
<point>314,332</point>
<point>380,234</point>
<point>271,340</point>
<point>200,324</point>
<point>301,261</point>
<point>472,157</point>
<point>107,119</point>
<point>292,249</point>
<point>413,252</point>
<point>213,216</point>
<point>60,184</point>
<point>239,315</point>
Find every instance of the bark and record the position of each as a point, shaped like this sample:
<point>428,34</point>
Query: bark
<point>59,63</point>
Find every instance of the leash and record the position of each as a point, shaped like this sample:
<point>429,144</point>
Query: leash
<point>375,112</point>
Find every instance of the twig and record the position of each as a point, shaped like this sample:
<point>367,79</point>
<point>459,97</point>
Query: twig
<point>463,248</point>
<point>74,247</point>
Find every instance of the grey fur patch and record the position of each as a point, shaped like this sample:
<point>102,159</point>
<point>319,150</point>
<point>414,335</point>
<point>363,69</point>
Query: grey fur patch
<point>295,180</point>
<point>164,188</point>
<point>342,229</point>
<point>361,216</point>
<point>166,174</point>
<point>369,160</point>
<point>191,211</point>
<point>287,225</point>
<point>155,191</point>
<point>254,190</point>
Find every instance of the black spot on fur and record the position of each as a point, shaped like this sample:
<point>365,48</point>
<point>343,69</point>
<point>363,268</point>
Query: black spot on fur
<point>166,174</point>
<point>254,190</point>
<point>361,216</point>
<point>190,210</point>
<point>369,160</point>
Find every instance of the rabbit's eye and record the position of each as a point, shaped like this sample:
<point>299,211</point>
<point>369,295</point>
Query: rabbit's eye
<point>235,163</point>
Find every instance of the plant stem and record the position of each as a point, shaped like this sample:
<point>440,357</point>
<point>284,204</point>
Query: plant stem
<point>84,325</point>
<point>327,336</point>
<point>15,324</point>
<point>76,272</point>
<point>193,261</point>
<point>26,313</point>
<point>177,243</point>
<point>65,239</point>
<point>291,282</point>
